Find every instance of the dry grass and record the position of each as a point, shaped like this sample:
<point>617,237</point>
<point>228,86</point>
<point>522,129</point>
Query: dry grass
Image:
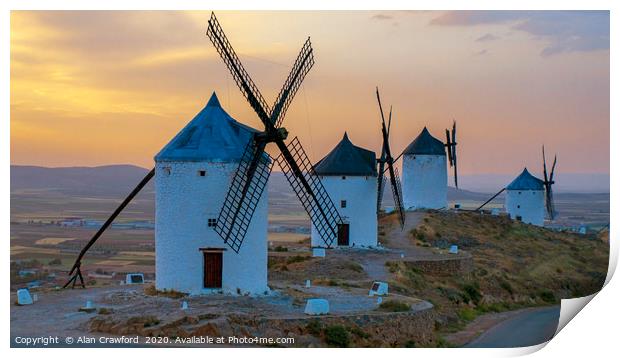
<point>152,291</point>
<point>53,240</point>
<point>298,268</point>
<point>515,265</point>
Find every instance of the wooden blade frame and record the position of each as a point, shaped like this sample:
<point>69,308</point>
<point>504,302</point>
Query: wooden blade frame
<point>244,194</point>
<point>312,193</point>
<point>451,149</point>
<point>394,181</point>
<point>548,182</point>
<point>271,120</point>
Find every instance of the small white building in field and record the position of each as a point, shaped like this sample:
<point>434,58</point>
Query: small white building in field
<point>425,173</point>
<point>525,199</point>
<point>349,174</point>
<point>192,176</point>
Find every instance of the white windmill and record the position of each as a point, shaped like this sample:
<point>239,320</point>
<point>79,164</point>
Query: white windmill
<point>349,175</point>
<point>211,220</point>
<point>530,199</point>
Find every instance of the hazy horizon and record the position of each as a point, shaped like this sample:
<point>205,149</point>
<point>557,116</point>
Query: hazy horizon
<point>587,183</point>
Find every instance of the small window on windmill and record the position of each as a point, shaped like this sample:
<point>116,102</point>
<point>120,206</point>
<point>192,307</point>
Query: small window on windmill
<point>343,203</point>
<point>519,218</point>
<point>518,206</point>
<point>519,193</point>
<point>212,222</point>
<point>202,173</point>
<point>167,170</point>
<point>343,177</point>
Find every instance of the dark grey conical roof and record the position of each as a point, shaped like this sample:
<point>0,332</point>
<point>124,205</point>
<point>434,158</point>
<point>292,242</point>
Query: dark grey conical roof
<point>526,181</point>
<point>347,159</point>
<point>425,143</point>
<point>212,135</point>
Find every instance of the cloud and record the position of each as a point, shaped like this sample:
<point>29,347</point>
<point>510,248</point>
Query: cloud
<point>564,31</point>
<point>470,17</point>
<point>487,37</point>
<point>481,52</point>
<point>382,17</point>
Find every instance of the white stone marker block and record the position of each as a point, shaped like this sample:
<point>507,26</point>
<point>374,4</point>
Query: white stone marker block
<point>23,297</point>
<point>379,300</point>
<point>308,284</point>
<point>35,297</point>
<point>184,305</point>
<point>88,308</point>
<point>318,252</point>
<point>454,249</point>
<point>134,278</point>
<point>317,306</point>
<point>495,212</point>
<point>378,289</point>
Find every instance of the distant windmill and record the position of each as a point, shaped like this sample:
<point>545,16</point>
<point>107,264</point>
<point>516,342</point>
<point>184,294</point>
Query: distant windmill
<point>451,147</point>
<point>548,182</point>
<point>387,159</point>
<point>528,198</point>
<point>425,173</point>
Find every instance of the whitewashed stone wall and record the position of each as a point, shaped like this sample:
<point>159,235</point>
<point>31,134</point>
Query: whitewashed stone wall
<point>361,211</point>
<point>529,204</point>
<point>424,181</point>
<point>184,203</point>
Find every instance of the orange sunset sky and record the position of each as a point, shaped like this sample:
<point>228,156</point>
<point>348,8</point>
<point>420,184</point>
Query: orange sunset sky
<point>112,87</point>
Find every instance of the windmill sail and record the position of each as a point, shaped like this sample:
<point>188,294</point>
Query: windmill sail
<point>451,149</point>
<point>244,194</point>
<point>313,197</point>
<point>386,157</point>
<point>293,161</point>
<point>548,182</point>
<point>381,187</point>
<point>397,193</point>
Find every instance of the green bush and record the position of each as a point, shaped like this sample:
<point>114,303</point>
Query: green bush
<point>337,336</point>
<point>280,249</point>
<point>359,332</point>
<point>506,286</point>
<point>467,314</point>
<point>104,310</point>
<point>547,296</point>
<point>314,327</point>
<point>394,306</point>
<point>471,293</point>
<point>419,235</point>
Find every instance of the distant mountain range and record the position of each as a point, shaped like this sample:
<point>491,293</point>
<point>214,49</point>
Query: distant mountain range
<point>118,180</point>
<point>108,180</point>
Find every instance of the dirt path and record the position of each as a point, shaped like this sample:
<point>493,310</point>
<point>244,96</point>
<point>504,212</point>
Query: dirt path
<point>398,247</point>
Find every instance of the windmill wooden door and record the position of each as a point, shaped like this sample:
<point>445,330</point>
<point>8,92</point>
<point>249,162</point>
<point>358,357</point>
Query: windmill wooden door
<point>343,234</point>
<point>213,269</point>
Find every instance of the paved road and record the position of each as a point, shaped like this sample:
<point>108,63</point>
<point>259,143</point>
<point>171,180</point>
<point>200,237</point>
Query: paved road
<point>527,329</point>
